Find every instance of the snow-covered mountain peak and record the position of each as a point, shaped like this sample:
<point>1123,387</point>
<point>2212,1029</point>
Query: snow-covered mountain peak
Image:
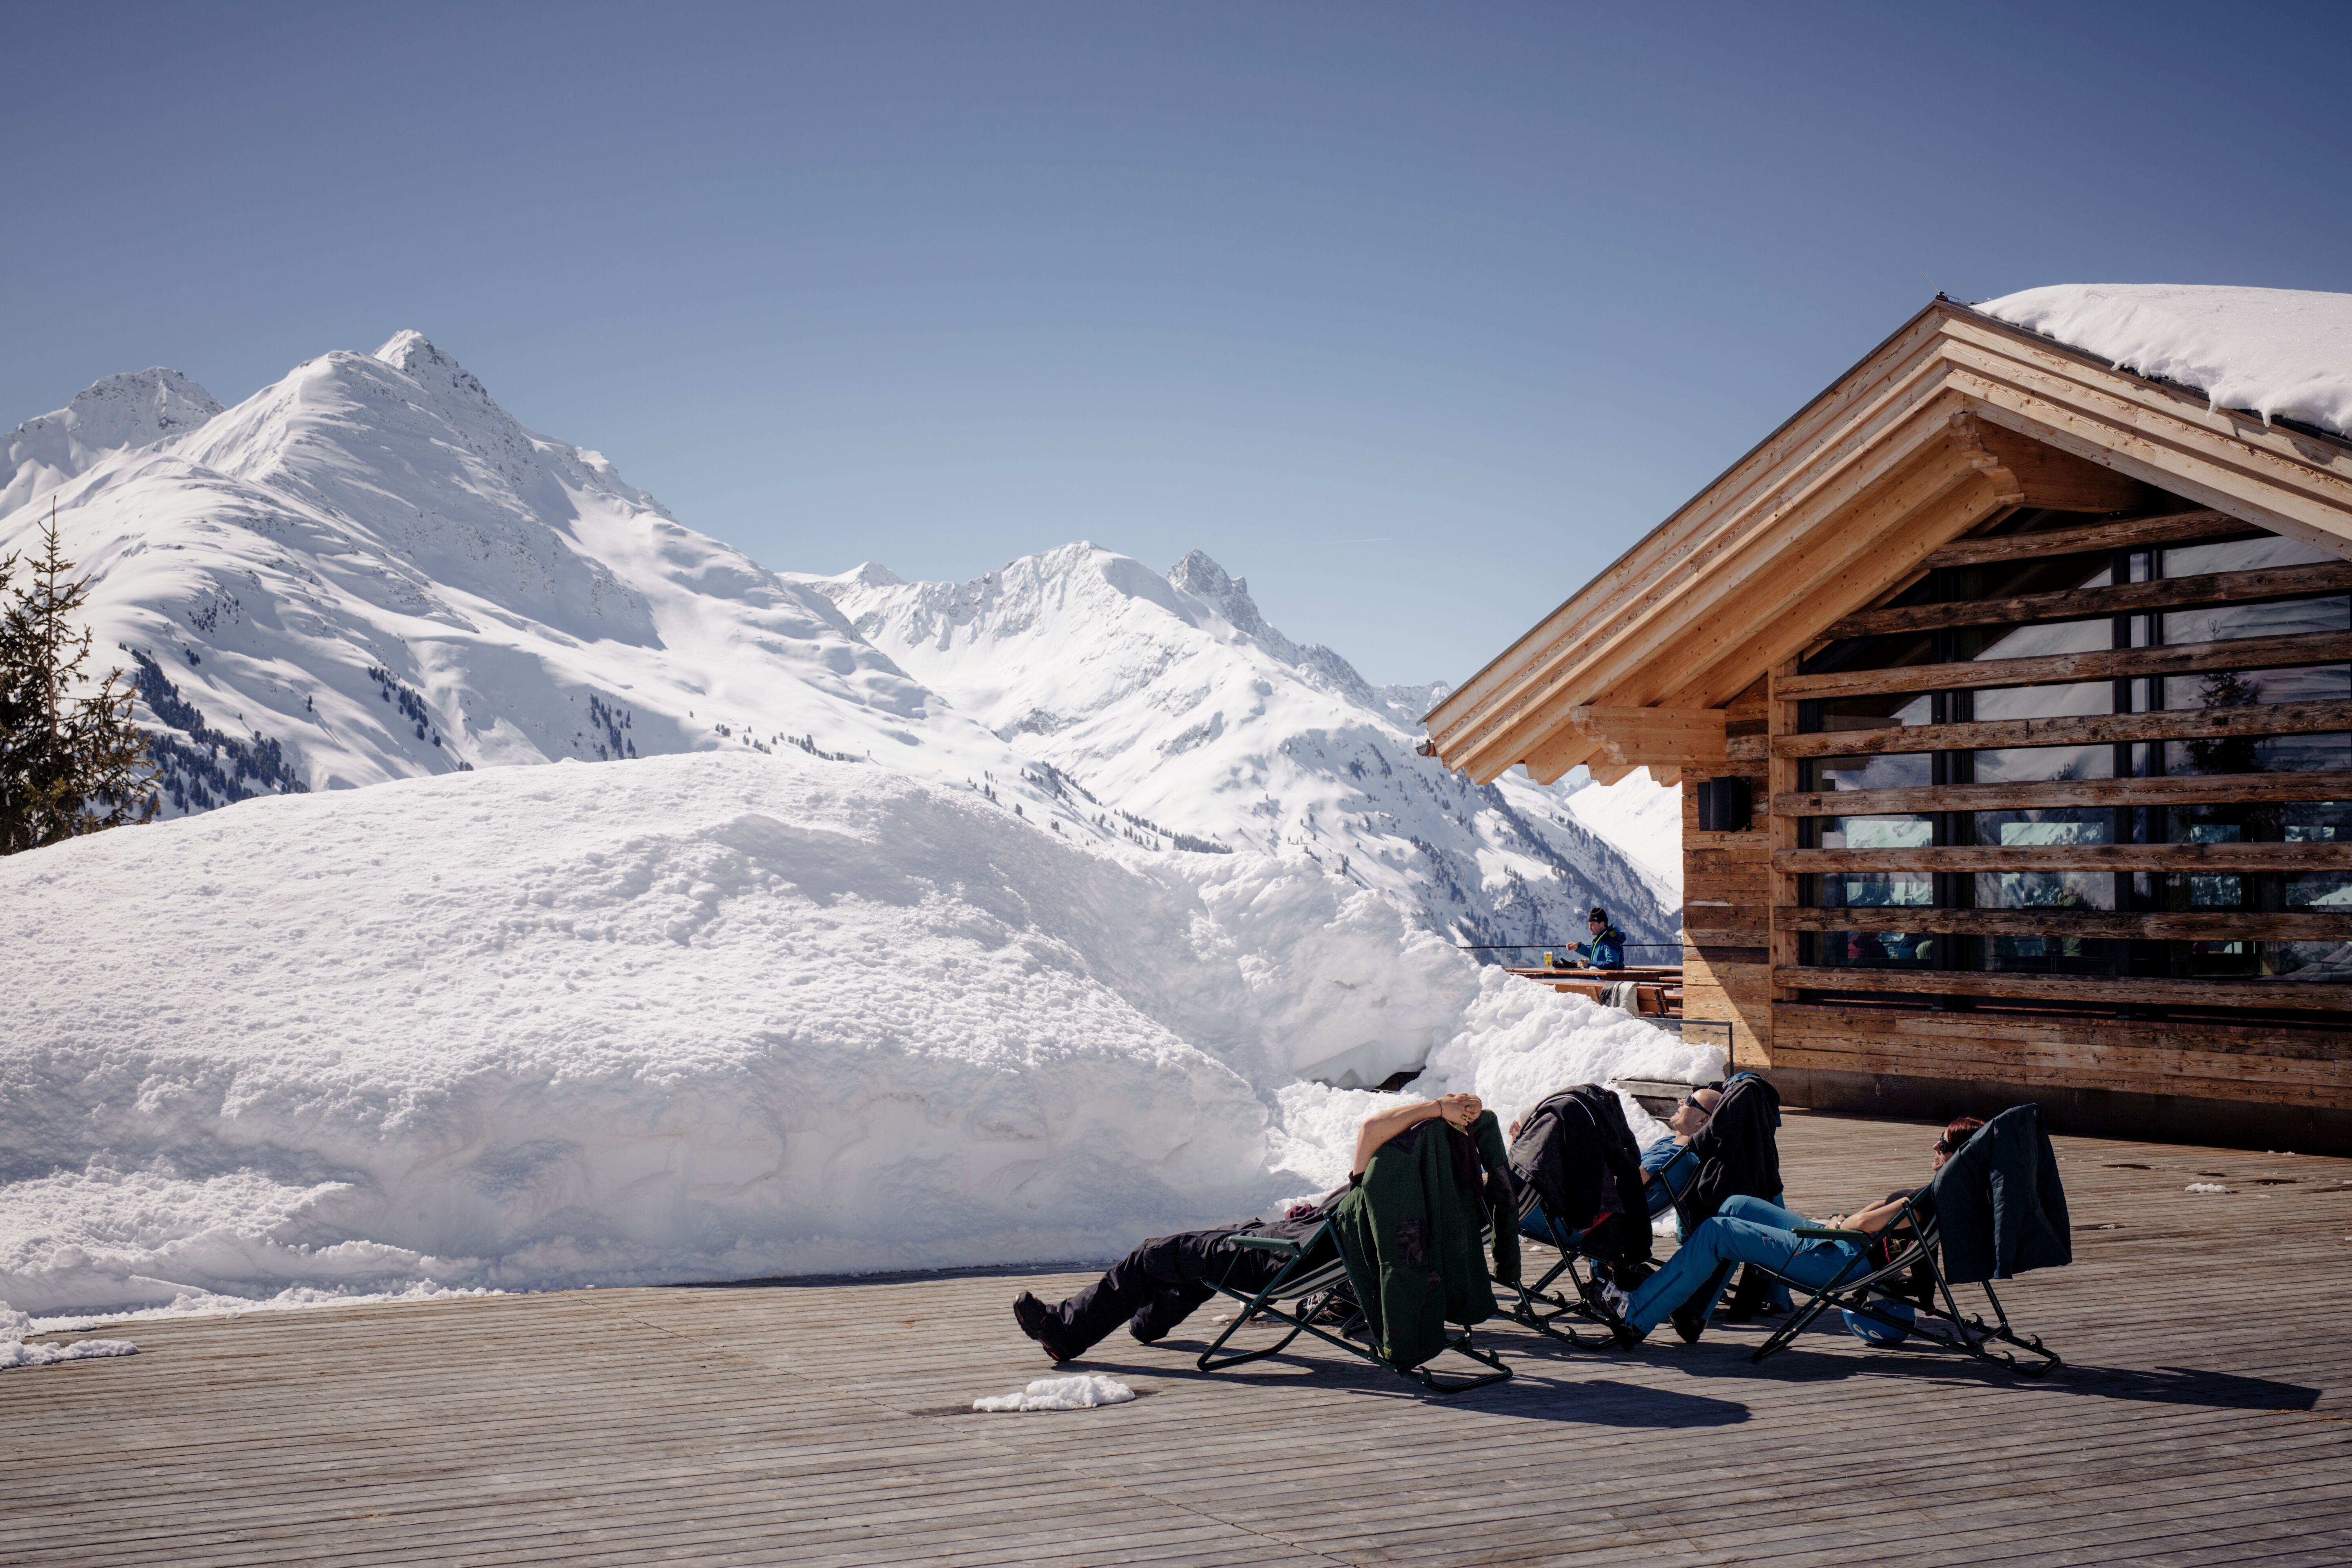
<point>1172,698</point>
<point>119,413</point>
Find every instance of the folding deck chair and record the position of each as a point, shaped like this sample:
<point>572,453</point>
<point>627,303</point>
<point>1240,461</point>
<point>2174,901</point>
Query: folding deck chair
<point>1914,1272</point>
<point>1320,1271</point>
<point>1545,1310</point>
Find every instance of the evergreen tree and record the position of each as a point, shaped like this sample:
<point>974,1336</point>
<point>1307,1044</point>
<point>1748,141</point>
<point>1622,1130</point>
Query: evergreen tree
<point>69,764</point>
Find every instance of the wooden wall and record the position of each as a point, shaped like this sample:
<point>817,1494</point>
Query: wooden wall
<point>1727,897</point>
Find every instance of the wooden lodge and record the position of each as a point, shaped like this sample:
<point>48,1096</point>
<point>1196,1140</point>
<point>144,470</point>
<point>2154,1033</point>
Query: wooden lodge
<point>2010,698</point>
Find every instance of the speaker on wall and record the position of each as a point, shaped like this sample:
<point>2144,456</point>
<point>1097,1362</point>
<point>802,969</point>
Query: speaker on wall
<point>1723,805</point>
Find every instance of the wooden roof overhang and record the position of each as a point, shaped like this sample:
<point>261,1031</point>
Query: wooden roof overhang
<point>1944,426</point>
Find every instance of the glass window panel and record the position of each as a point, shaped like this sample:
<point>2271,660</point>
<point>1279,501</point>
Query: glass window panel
<point>2045,889</point>
<point>2216,890</point>
<point>2240,555</point>
<point>2315,822</point>
<point>2244,755</point>
<point>1873,949</point>
<point>1876,712</point>
<point>2245,688</point>
<point>1873,890</point>
<point>2033,575</point>
<point>1895,650</point>
<point>2047,824</point>
<point>1904,769</point>
<point>1875,832</point>
<point>2317,890</point>
<point>2290,617</point>
<point>2050,955</point>
<point>2306,961</point>
<point>2021,764</point>
<point>2046,702</point>
<point>2032,642</point>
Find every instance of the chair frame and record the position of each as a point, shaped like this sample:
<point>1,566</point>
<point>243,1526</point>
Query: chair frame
<point>1312,1287</point>
<point>1540,1307</point>
<point>1967,1332</point>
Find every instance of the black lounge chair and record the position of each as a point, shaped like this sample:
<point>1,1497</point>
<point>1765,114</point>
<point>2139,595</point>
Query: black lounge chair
<point>1565,1145</point>
<point>1962,1228</point>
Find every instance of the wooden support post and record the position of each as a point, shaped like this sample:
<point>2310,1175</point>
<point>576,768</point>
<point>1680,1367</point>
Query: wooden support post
<point>1781,833</point>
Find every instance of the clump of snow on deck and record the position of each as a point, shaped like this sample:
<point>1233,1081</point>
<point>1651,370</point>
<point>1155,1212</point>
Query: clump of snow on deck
<point>2280,353</point>
<point>1083,1390</point>
<point>15,1352</point>
<point>709,1017</point>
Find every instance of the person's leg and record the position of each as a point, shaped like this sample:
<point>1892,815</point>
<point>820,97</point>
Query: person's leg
<point>1126,1289</point>
<point>1723,1239</point>
<point>1184,1272</point>
<point>1757,1211</point>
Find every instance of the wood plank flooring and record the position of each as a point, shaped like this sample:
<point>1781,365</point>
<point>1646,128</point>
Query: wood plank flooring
<point>2204,1416</point>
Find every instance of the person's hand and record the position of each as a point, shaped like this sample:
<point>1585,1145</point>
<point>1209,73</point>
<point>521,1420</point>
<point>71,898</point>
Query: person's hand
<point>1459,1109</point>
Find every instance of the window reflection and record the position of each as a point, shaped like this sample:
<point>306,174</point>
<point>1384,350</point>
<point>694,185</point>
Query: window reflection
<point>2022,764</point>
<point>2047,824</point>
<point>1876,712</point>
<point>2248,754</point>
<point>2045,889</point>
<point>2033,641</point>
<point>1911,832</point>
<point>1873,890</point>
<point>2240,555</point>
<point>2224,623</point>
<point>1901,770</point>
<point>2086,697</point>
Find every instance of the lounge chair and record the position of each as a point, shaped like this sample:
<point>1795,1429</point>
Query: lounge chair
<point>1568,1141</point>
<point>1962,1228</point>
<point>1332,1272</point>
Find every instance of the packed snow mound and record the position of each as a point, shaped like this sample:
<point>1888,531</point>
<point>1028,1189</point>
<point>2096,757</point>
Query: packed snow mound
<point>721,1016</point>
<point>2285,353</point>
<point>1172,698</point>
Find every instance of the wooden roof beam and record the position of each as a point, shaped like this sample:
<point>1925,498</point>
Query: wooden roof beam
<point>1904,474</point>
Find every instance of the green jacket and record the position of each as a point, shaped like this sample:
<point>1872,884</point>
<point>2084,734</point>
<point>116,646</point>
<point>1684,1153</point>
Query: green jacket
<point>1411,1230</point>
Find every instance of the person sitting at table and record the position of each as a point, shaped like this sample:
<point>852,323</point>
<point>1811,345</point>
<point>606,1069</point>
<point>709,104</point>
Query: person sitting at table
<point>1158,1285</point>
<point>1607,948</point>
<point>1749,1230</point>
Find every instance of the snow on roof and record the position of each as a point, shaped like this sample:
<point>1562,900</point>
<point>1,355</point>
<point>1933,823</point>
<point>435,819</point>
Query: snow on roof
<point>2280,353</point>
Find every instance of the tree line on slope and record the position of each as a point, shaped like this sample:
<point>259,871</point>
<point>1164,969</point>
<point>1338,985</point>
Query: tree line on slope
<point>69,765</point>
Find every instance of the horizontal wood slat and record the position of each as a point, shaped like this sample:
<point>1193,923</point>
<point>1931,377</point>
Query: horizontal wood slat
<point>2123,598</point>
<point>2304,925</point>
<point>2206,789</point>
<point>2302,997</point>
<point>2053,670</point>
<point>2130,533</point>
<point>2078,729</point>
<point>2074,858</point>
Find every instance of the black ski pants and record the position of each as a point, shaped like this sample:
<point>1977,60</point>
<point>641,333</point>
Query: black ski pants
<point>1158,1285</point>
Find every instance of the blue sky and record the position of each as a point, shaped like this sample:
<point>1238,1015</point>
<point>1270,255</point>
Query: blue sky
<point>1415,315</point>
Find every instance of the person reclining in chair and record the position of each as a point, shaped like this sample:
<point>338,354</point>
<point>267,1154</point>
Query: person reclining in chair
<point>1667,1166</point>
<point>1750,1230</point>
<point>1158,1285</point>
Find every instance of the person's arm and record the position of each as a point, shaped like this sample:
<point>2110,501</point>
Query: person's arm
<point>1460,1109</point>
<point>1874,1219</point>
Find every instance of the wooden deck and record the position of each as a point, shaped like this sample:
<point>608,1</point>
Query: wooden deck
<point>2204,1416</point>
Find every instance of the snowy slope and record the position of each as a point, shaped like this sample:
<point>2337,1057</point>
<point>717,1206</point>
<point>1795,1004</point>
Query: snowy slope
<point>2281,352</point>
<point>369,570</point>
<point>690,1017</point>
<point>1171,697</point>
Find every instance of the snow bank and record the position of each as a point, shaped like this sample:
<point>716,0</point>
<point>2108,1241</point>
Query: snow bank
<point>1085,1392</point>
<point>2281,352</point>
<point>690,1018</point>
<point>1517,1044</point>
<point>15,1352</point>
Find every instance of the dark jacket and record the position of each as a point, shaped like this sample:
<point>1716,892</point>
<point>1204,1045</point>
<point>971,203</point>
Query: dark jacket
<point>1737,1153</point>
<point>1606,951</point>
<point>1575,1151</point>
<point>2000,1206</point>
<point>1411,1228</point>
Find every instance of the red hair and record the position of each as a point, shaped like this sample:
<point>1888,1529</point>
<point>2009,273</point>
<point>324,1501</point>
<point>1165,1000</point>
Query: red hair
<point>1956,1135</point>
